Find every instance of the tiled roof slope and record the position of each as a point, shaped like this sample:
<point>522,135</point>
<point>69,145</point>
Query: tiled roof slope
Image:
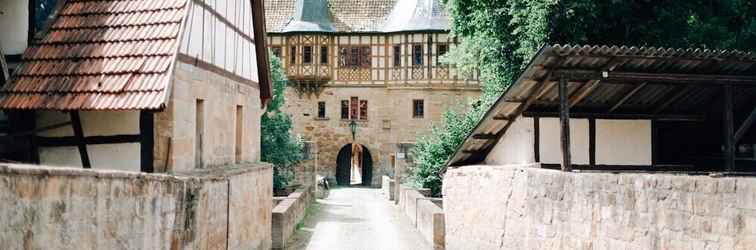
<point>362,15</point>
<point>100,55</point>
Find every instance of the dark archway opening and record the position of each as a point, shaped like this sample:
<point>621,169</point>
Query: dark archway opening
<point>354,158</point>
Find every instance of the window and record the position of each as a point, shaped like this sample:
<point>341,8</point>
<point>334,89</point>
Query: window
<point>199,131</point>
<point>239,133</point>
<point>363,109</point>
<point>307,55</point>
<point>354,57</point>
<point>293,55</point>
<point>276,51</point>
<point>321,110</point>
<point>418,109</point>
<point>324,55</point>
<point>397,56</point>
<point>442,49</point>
<point>417,55</point>
<point>354,109</point>
<point>345,109</point>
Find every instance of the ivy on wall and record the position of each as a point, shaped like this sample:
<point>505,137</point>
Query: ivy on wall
<point>279,147</point>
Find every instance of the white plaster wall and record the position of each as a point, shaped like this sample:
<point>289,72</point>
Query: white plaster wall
<point>123,156</point>
<point>550,145</point>
<point>14,26</point>
<point>623,142</point>
<point>516,146</point>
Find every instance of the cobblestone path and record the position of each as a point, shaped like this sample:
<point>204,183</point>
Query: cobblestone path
<point>356,218</point>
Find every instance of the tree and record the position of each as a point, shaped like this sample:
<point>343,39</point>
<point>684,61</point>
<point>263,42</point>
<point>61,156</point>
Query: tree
<point>500,36</point>
<point>279,147</point>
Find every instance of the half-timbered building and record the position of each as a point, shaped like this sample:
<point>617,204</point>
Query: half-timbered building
<point>368,72</point>
<point>152,86</point>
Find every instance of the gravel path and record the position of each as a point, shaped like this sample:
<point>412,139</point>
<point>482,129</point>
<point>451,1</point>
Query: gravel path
<point>356,218</point>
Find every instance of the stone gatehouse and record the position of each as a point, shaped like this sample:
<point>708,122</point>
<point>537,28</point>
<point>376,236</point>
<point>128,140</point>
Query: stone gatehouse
<point>375,65</point>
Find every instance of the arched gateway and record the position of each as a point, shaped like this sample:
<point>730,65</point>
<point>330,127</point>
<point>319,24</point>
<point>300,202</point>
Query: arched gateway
<point>354,165</point>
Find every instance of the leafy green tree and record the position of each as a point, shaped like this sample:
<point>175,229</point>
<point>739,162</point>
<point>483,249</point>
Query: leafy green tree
<point>498,37</point>
<point>279,147</point>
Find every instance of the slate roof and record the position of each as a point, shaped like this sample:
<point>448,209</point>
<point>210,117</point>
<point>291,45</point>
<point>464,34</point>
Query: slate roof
<point>343,16</point>
<point>100,55</point>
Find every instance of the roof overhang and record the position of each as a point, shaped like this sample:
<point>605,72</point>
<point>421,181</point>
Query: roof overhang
<point>613,83</point>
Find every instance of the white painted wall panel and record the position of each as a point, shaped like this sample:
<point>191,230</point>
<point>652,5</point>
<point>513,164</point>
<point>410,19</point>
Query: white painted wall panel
<point>14,17</point>
<point>550,145</point>
<point>107,156</point>
<point>516,146</point>
<point>623,142</point>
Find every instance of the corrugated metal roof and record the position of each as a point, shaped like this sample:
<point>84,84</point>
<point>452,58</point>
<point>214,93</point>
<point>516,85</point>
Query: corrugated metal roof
<point>355,16</point>
<point>100,55</point>
<point>613,81</point>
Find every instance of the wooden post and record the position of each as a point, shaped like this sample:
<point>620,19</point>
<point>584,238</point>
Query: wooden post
<point>537,138</point>
<point>564,120</point>
<point>654,142</point>
<point>81,142</point>
<point>729,128</point>
<point>147,141</point>
<point>592,141</point>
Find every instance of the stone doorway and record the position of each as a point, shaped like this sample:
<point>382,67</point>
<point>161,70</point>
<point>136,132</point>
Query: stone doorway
<point>354,166</point>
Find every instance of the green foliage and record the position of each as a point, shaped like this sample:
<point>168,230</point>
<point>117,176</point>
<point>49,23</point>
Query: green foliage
<point>278,146</point>
<point>498,37</point>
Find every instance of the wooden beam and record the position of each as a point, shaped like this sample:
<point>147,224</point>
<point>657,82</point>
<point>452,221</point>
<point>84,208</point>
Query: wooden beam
<point>627,97</point>
<point>485,136</point>
<point>42,129</point>
<point>79,136</point>
<point>661,78</point>
<point>564,120</point>
<point>680,92</point>
<point>73,141</point>
<point>537,138</point>
<point>592,141</point>
<point>605,116</point>
<point>147,141</point>
<point>583,92</point>
<point>729,128</point>
<point>654,143</point>
<point>745,126</point>
<point>501,118</point>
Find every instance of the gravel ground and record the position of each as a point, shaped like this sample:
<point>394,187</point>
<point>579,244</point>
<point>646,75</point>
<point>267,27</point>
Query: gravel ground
<point>356,218</point>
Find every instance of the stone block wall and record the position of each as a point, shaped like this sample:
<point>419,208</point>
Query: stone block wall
<point>424,213</point>
<point>288,212</point>
<point>523,207</point>
<point>67,208</point>
<point>176,126</point>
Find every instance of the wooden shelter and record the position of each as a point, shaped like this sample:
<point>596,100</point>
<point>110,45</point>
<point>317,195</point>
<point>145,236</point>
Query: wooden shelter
<point>695,106</point>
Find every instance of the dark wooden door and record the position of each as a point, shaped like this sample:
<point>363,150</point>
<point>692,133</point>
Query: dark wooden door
<point>343,165</point>
<point>367,167</point>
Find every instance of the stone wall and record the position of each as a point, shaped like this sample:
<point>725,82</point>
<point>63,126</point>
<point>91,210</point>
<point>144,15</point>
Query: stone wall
<point>389,122</point>
<point>68,208</point>
<point>424,213</point>
<point>522,207</point>
<point>176,126</point>
<point>288,212</point>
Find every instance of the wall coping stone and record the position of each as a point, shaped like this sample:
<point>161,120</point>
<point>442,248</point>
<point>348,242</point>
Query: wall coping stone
<point>209,174</point>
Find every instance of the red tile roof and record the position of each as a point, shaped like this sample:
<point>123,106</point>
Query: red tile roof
<point>100,55</point>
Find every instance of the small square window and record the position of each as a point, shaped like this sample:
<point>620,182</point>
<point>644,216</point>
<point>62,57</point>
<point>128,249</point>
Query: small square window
<point>321,110</point>
<point>363,109</point>
<point>307,55</point>
<point>418,108</point>
<point>345,109</point>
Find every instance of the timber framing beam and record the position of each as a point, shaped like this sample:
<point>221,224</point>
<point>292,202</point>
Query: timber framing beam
<point>564,120</point>
<point>745,126</point>
<point>729,128</point>
<point>678,93</point>
<point>69,141</point>
<point>606,116</point>
<point>583,92</point>
<point>627,97</point>
<point>147,141</point>
<point>80,141</point>
<point>657,78</point>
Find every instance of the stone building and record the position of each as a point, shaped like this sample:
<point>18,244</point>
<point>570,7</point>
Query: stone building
<point>371,64</point>
<point>153,86</point>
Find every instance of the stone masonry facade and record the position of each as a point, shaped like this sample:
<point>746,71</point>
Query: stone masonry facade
<point>522,207</point>
<point>390,122</point>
